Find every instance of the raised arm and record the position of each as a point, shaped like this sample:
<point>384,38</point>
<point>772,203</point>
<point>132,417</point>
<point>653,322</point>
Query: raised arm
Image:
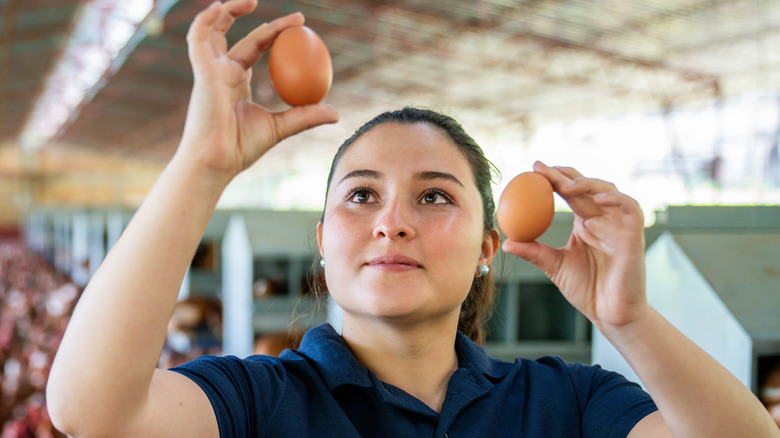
<point>601,272</point>
<point>104,380</point>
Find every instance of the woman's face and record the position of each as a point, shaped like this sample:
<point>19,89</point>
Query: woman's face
<point>403,232</point>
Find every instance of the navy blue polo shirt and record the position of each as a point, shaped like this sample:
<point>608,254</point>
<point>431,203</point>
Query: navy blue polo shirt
<point>321,390</point>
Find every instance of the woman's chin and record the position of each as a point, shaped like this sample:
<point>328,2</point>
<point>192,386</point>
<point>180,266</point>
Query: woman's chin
<point>401,314</point>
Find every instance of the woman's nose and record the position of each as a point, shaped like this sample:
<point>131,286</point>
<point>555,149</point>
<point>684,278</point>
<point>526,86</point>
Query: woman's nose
<point>395,221</point>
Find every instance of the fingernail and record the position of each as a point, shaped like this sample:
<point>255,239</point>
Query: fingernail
<point>538,165</point>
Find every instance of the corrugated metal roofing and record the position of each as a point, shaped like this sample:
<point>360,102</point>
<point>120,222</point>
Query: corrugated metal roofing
<point>499,61</point>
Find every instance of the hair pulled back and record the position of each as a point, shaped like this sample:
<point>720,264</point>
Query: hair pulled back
<point>479,301</point>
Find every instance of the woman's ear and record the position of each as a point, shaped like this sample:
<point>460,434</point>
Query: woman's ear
<point>319,238</point>
<point>490,246</point>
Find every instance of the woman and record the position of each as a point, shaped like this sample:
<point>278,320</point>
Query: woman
<point>403,236</point>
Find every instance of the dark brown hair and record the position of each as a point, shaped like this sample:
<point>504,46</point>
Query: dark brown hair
<point>479,301</point>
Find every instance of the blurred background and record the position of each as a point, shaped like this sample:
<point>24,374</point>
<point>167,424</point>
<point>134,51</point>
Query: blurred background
<point>676,101</point>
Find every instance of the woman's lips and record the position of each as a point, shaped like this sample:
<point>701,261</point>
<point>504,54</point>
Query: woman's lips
<point>394,263</point>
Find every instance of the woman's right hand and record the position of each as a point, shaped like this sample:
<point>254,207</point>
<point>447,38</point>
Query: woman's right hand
<point>225,131</point>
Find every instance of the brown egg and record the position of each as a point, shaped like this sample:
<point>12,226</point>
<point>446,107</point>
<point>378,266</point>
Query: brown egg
<point>300,67</point>
<point>526,207</point>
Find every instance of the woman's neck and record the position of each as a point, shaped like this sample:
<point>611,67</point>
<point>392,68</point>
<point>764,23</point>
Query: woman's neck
<point>420,360</point>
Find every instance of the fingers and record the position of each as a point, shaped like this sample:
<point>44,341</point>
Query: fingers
<point>543,256</point>
<point>200,34</point>
<point>201,26</point>
<point>301,118</point>
<point>577,190</point>
<point>591,197</point>
<point>621,201</point>
<point>623,217</point>
<point>214,21</point>
<point>217,16</point>
<point>211,24</point>
<point>570,172</point>
<point>232,10</point>
<point>249,50</point>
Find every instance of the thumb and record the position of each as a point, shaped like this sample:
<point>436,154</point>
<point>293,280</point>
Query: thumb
<point>301,118</point>
<point>543,256</point>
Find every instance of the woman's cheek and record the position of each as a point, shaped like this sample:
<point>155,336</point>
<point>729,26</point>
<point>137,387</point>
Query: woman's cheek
<point>460,239</point>
<point>345,232</point>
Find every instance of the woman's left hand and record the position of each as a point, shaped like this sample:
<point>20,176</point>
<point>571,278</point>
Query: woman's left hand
<point>601,270</point>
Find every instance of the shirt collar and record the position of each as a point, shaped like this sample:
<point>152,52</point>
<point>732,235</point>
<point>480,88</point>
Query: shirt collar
<point>334,361</point>
<point>332,358</point>
<point>474,357</point>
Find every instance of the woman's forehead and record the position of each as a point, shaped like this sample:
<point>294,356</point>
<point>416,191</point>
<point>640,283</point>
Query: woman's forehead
<point>403,146</point>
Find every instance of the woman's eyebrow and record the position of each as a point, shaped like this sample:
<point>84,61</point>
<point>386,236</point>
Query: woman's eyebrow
<point>432,175</point>
<point>362,173</point>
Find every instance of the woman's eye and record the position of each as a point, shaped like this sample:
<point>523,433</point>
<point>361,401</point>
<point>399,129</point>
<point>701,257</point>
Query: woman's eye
<point>435,197</point>
<point>360,195</point>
